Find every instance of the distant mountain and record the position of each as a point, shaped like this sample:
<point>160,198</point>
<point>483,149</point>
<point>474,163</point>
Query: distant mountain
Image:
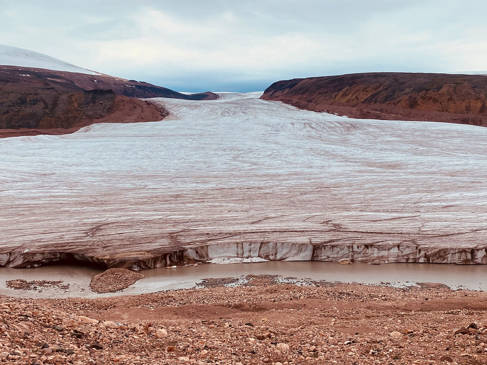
<point>40,94</point>
<point>401,96</point>
<point>484,73</point>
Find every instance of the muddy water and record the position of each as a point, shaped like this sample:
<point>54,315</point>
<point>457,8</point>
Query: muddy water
<point>455,276</point>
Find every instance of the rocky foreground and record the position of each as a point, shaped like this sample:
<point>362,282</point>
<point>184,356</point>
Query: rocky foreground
<point>390,96</point>
<point>262,322</point>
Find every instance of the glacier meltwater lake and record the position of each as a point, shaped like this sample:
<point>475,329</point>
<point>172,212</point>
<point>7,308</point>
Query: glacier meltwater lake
<point>76,279</point>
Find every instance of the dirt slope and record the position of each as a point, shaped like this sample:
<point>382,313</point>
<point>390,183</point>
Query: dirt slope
<point>34,102</point>
<point>400,96</point>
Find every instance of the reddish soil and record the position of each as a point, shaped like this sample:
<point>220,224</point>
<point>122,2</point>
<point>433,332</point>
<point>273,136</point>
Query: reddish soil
<point>36,101</point>
<point>390,96</point>
<point>113,280</point>
<point>262,323</point>
<point>39,102</point>
<point>123,110</point>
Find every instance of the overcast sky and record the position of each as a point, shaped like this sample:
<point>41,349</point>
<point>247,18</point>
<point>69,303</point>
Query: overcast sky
<point>247,44</point>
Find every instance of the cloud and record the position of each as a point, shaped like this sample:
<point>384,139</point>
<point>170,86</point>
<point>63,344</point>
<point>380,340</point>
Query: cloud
<point>207,45</point>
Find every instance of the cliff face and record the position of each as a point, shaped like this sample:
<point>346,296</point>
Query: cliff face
<point>402,96</point>
<point>31,102</point>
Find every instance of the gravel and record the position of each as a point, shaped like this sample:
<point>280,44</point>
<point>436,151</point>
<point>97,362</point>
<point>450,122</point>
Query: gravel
<point>263,322</point>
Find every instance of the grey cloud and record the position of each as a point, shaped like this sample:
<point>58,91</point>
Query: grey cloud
<point>216,44</point>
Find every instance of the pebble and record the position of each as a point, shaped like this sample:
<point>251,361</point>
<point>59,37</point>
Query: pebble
<point>110,324</point>
<point>87,320</point>
<point>290,334</point>
<point>396,335</point>
<point>282,347</point>
<point>161,333</point>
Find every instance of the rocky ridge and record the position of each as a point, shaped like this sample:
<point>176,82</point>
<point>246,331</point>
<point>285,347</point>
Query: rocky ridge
<point>390,96</point>
<point>89,82</point>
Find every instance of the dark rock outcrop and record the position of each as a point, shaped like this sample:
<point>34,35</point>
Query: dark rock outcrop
<point>390,96</point>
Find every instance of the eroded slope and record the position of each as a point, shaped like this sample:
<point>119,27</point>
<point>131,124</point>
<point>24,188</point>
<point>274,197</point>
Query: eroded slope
<point>34,102</point>
<point>394,96</point>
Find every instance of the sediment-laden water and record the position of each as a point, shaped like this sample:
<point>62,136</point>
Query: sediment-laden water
<point>455,276</point>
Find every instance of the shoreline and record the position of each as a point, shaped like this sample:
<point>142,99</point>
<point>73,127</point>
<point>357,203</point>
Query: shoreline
<point>72,282</point>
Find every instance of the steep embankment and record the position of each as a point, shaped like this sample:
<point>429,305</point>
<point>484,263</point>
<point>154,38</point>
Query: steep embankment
<point>400,96</point>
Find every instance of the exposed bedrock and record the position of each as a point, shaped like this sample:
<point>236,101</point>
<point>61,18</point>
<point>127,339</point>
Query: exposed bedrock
<point>390,96</point>
<point>255,252</point>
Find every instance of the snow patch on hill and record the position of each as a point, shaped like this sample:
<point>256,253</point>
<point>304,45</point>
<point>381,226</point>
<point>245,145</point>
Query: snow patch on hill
<point>13,56</point>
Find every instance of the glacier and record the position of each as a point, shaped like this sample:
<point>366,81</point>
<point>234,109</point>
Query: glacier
<point>19,57</point>
<point>240,179</point>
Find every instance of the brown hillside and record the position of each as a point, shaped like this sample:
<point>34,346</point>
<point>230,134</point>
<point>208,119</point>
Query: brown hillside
<point>35,102</point>
<point>402,96</point>
<point>118,85</point>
